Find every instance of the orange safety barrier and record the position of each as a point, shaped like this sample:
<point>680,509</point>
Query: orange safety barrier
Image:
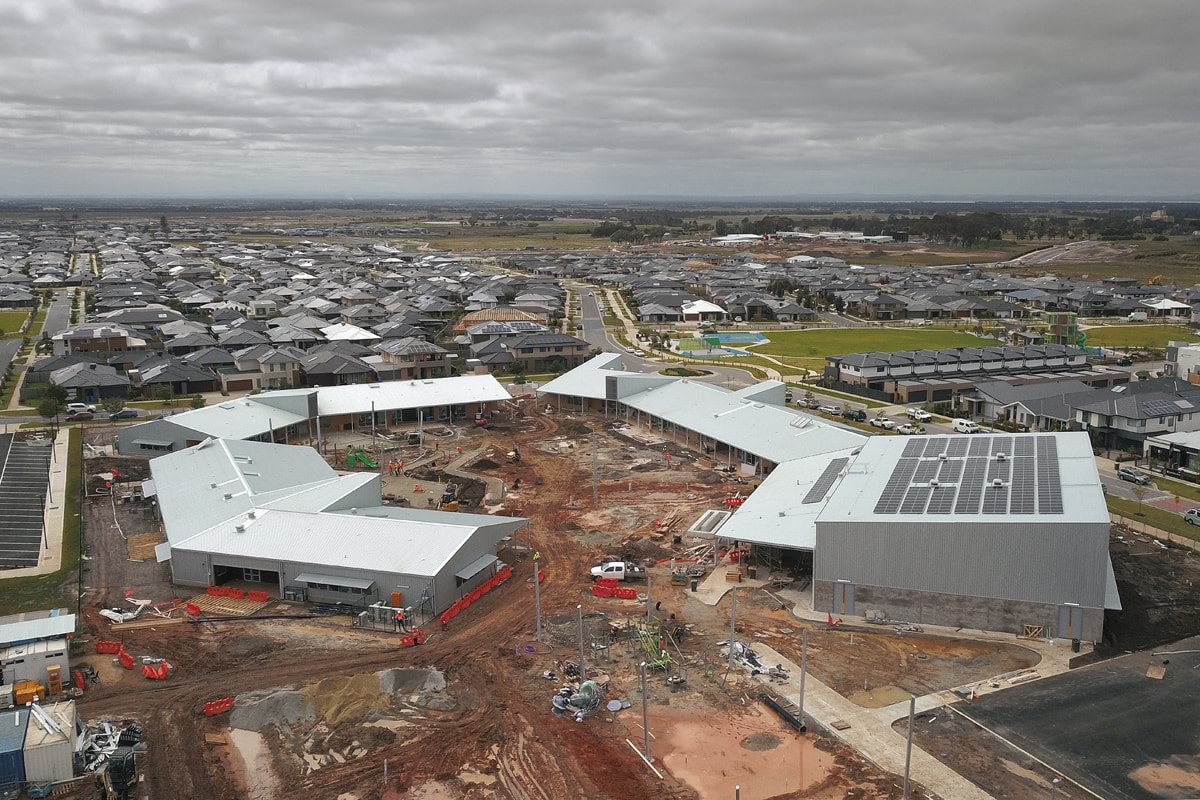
<point>625,593</point>
<point>126,659</point>
<point>258,597</point>
<point>192,610</point>
<point>609,582</point>
<point>79,680</point>
<point>216,591</point>
<point>235,594</point>
<point>108,648</point>
<point>158,673</point>
<point>479,591</point>
<point>412,638</point>
<point>601,591</point>
<point>541,576</point>
<point>214,707</point>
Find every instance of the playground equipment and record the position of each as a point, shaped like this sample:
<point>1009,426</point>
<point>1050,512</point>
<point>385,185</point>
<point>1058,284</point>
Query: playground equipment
<point>357,457</point>
<point>580,703</point>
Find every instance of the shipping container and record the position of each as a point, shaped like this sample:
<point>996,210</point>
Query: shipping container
<point>50,755</point>
<point>12,743</point>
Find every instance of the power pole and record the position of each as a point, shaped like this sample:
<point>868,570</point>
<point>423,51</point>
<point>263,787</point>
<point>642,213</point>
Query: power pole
<point>537,596</point>
<point>645,713</point>
<point>595,473</point>
<point>803,672</point>
<point>647,597</point>
<point>912,708</point>
<point>579,608</point>
<point>732,624</point>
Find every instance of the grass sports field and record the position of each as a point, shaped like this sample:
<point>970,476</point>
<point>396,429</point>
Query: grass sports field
<point>818,343</point>
<point>1133,335</point>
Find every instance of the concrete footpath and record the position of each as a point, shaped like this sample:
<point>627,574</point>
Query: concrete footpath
<point>870,731</point>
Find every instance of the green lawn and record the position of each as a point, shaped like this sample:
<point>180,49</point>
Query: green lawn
<point>46,591</point>
<point>816,344</point>
<point>1153,337</point>
<point>11,322</point>
<point>1153,516</point>
<point>800,388</point>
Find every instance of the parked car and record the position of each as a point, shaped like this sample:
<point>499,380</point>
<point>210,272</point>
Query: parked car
<point>830,410</point>
<point>75,407</point>
<point>1192,516</point>
<point>639,352</point>
<point>964,426</point>
<point>1132,475</point>
<point>620,570</point>
<point>883,422</point>
<point>124,413</point>
<point>1124,361</point>
<point>919,414</point>
<point>908,429</point>
<point>856,414</point>
<point>812,402</point>
<point>79,416</point>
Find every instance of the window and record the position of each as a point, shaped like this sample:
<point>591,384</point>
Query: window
<point>329,587</point>
<point>148,446</point>
<point>251,575</point>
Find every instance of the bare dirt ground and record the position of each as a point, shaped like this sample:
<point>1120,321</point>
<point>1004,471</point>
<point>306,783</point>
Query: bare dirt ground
<point>1159,594</point>
<point>499,738</point>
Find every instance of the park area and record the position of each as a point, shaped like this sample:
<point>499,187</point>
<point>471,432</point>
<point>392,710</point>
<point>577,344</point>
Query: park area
<point>11,322</point>
<point>1150,337</point>
<point>808,348</point>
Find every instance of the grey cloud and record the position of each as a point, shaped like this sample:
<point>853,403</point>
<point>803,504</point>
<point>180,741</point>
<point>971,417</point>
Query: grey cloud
<point>674,97</point>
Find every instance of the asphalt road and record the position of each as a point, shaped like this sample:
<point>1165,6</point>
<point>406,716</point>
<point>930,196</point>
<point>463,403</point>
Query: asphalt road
<point>595,334</point>
<point>58,315</point>
<point>1108,726</point>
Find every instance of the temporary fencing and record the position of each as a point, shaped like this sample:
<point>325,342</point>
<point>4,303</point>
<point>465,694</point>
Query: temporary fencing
<point>158,673</point>
<point>479,591</point>
<point>214,707</point>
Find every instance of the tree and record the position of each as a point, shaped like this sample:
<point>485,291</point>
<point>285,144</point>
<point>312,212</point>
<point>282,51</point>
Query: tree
<point>48,408</point>
<point>1140,491</point>
<point>163,226</point>
<point>114,405</point>
<point>721,228</point>
<point>197,401</point>
<point>839,303</point>
<point>809,397</point>
<point>163,392</point>
<point>58,394</point>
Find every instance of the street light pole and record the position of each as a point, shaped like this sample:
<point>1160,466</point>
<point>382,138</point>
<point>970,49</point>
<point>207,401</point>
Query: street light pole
<point>803,672</point>
<point>732,624</point>
<point>645,713</point>
<point>912,707</point>
<point>579,608</point>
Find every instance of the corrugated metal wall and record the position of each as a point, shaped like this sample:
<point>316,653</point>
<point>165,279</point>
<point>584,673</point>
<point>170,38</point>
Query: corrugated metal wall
<point>12,742</point>
<point>1051,563</point>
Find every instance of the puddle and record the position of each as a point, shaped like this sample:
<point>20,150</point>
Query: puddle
<point>256,764</point>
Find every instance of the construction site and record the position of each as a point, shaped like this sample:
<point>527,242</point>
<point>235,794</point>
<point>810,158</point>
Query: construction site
<point>531,687</point>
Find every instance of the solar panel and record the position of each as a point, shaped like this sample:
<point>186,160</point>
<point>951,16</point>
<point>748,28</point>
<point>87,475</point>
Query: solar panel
<point>950,472</point>
<point>893,493</point>
<point>934,447</point>
<point>926,471</point>
<point>999,469</point>
<point>1024,446</point>
<point>913,448</point>
<point>995,499</point>
<point>979,446</point>
<point>1049,482</point>
<point>942,500</point>
<point>914,501</point>
<point>970,490</point>
<point>819,489</point>
<point>957,447</point>
<point>1023,483</point>
<point>1001,444</point>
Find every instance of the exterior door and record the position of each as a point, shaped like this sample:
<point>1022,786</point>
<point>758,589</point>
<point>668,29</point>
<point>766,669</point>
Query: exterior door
<point>843,599</point>
<point>1070,622</point>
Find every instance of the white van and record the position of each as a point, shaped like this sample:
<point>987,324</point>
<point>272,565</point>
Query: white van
<point>964,426</point>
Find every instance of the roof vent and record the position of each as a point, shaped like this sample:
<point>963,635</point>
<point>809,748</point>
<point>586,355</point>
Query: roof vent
<point>943,457</point>
<point>240,528</point>
<point>1001,456</point>
<point>250,514</point>
<point>934,483</point>
<point>997,482</point>
<point>212,486</point>
<point>228,496</point>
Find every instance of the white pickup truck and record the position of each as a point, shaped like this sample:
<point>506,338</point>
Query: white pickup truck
<point>621,570</point>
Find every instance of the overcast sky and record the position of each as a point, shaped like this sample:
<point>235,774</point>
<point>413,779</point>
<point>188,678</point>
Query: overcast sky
<point>599,98</point>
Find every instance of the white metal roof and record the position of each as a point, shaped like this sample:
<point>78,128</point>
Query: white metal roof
<point>772,432</point>
<point>236,419</point>
<point>855,497</point>
<point>391,395</point>
<point>345,541</point>
<point>35,625</point>
<point>776,514</point>
<point>589,379</point>
<point>332,580</point>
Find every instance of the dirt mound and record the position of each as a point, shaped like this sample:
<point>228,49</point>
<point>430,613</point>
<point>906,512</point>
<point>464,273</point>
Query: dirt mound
<point>255,711</point>
<point>344,698</point>
<point>351,736</point>
<point>483,463</point>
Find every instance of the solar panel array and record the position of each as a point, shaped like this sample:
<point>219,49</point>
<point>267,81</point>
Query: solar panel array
<point>991,475</point>
<point>824,483</point>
